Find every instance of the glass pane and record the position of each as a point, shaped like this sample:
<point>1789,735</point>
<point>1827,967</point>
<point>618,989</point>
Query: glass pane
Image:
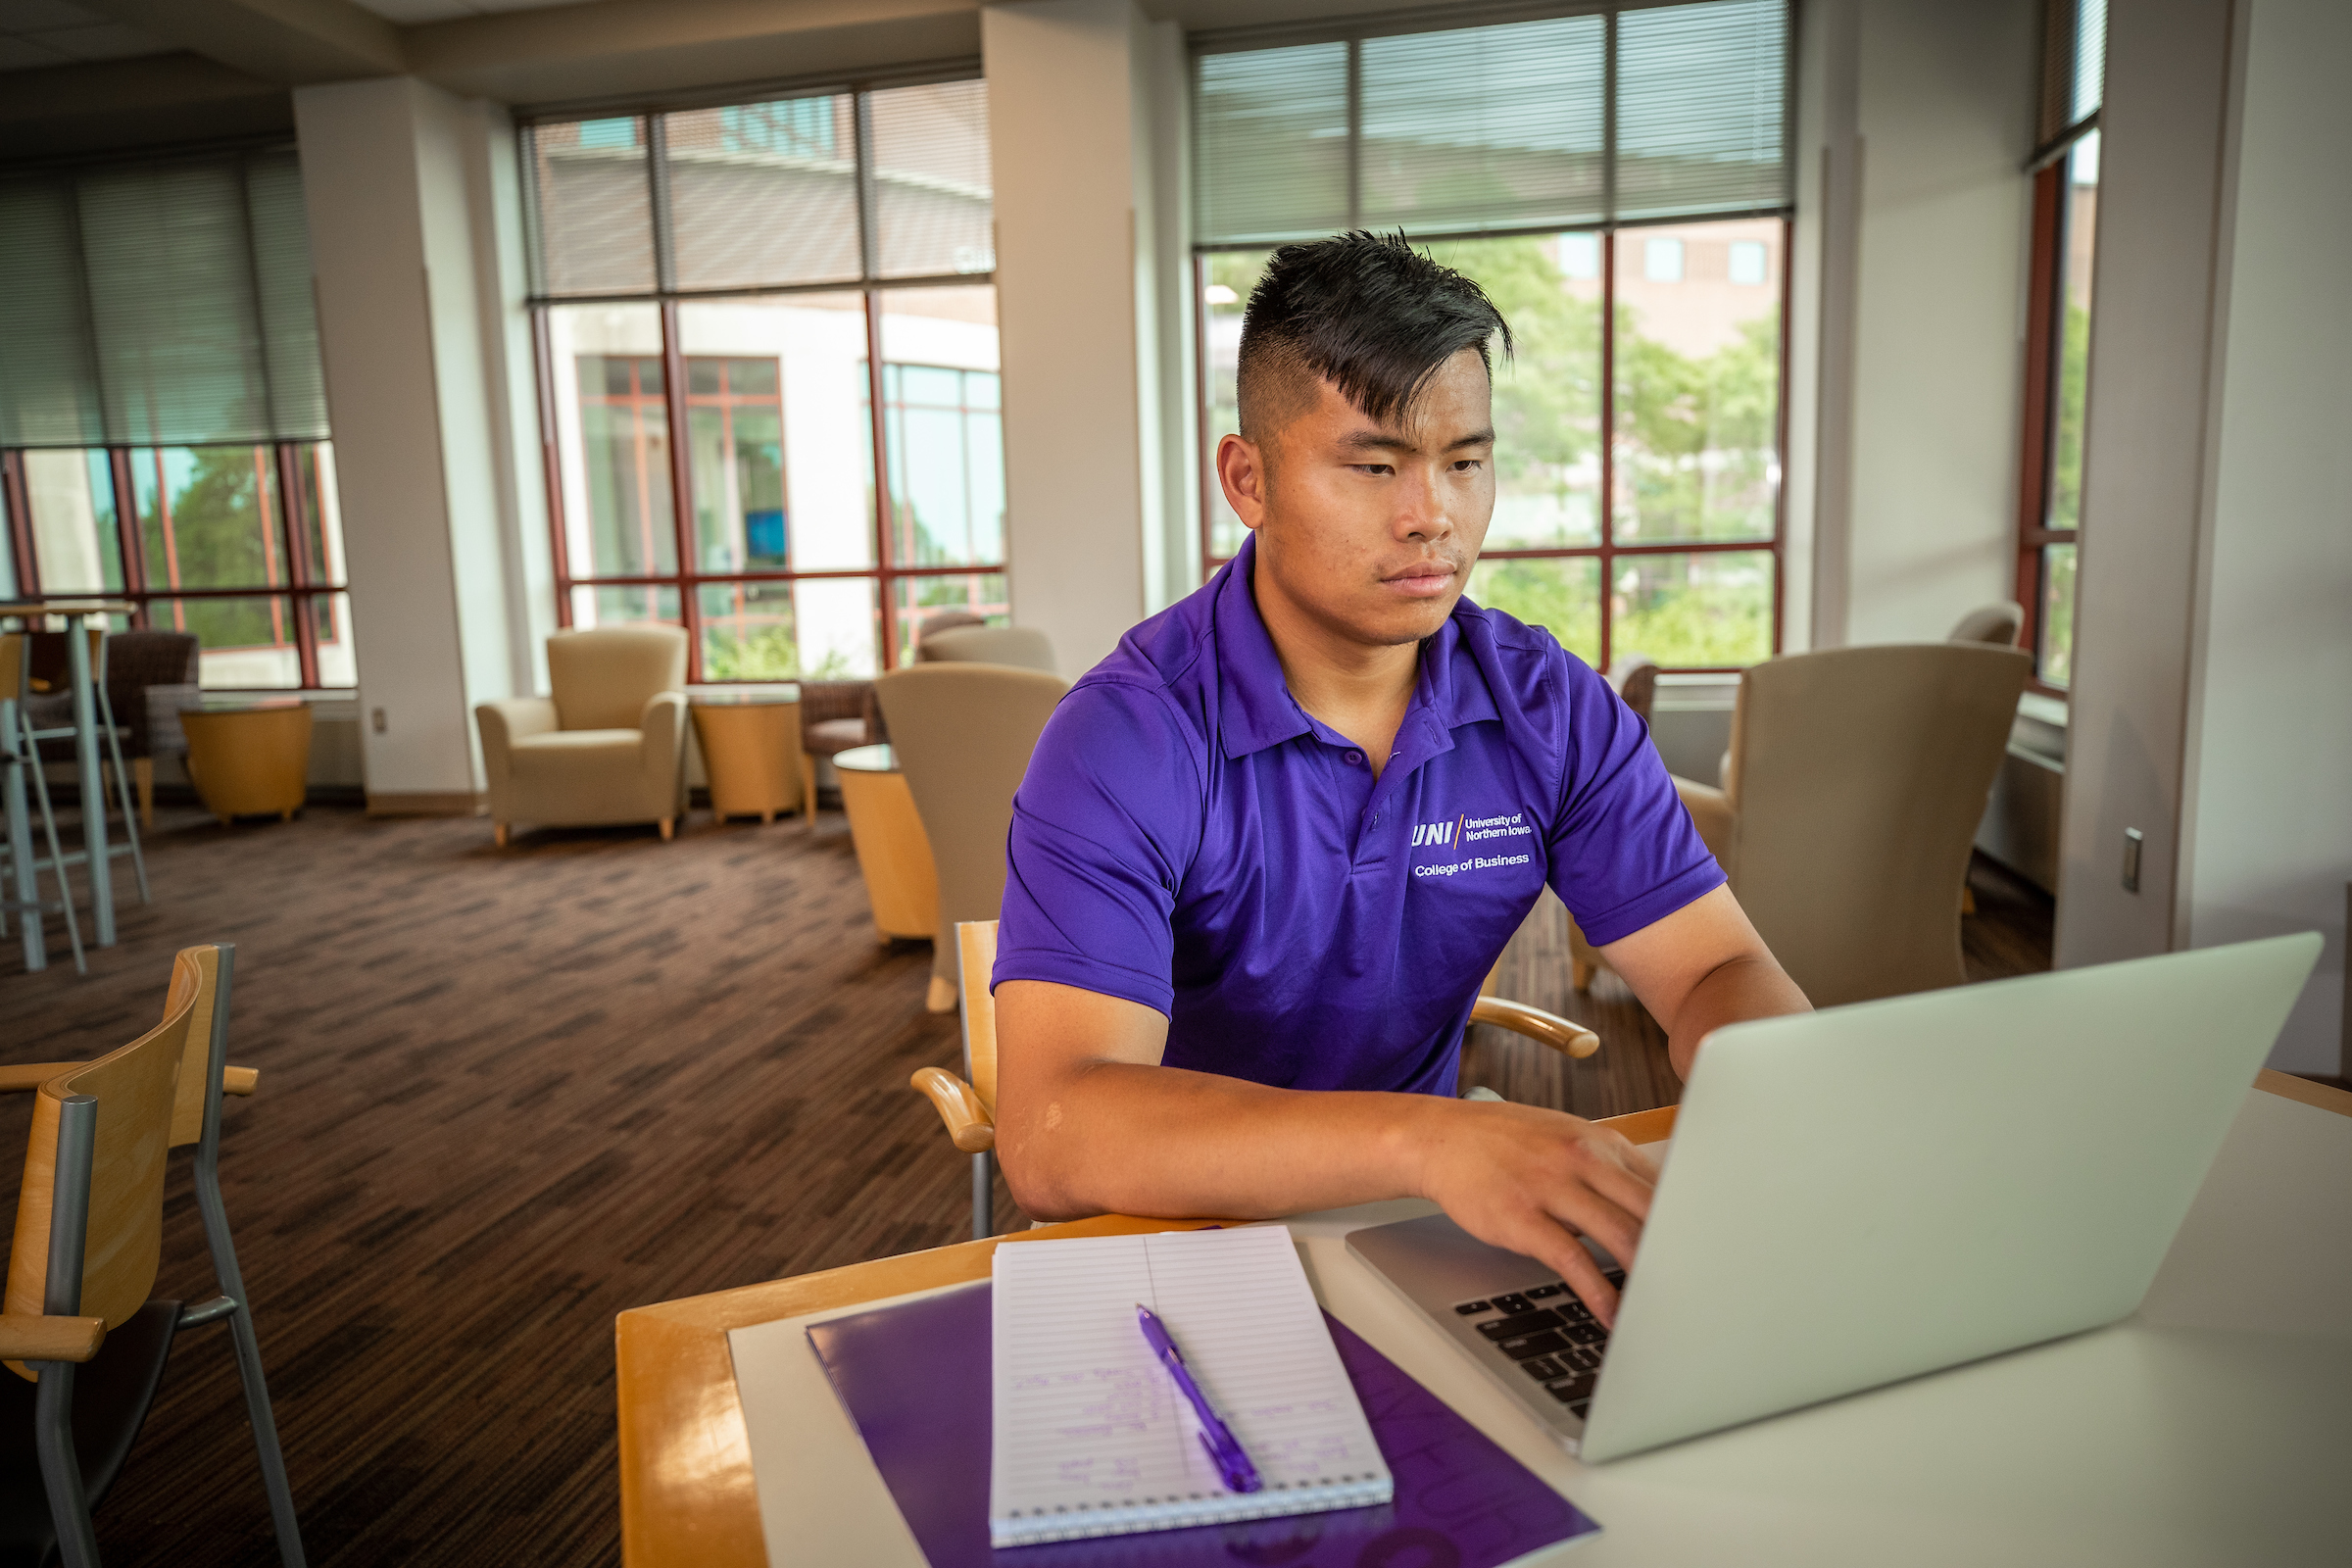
<point>1227,277</point>
<point>594,221</point>
<point>2057,613</point>
<point>783,475</point>
<point>2074,332</point>
<point>747,631</point>
<point>612,440</point>
<point>322,511</point>
<point>1547,394</point>
<point>918,599</point>
<point>1270,144</point>
<point>330,622</point>
<point>1699,373</point>
<point>946,441</point>
<point>208,516</point>
<point>7,555</point>
<point>1561,594</point>
<point>836,620</point>
<point>624,606</point>
<point>1708,608</point>
<point>246,643</point>
<point>932,205</point>
<point>76,547</point>
<point>765,193</point>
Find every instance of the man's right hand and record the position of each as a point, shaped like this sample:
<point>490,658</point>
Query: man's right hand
<point>1533,1180</point>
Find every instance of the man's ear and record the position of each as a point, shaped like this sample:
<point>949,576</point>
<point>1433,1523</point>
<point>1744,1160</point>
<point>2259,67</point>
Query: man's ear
<point>1246,477</point>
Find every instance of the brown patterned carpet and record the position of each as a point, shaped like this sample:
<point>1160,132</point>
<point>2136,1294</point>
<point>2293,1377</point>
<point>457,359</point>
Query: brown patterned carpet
<point>506,1095</point>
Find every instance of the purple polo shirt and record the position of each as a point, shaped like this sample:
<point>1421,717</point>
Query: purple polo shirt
<point>1189,838</point>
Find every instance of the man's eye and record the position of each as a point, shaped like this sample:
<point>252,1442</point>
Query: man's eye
<point>1468,465</point>
<point>1374,468</point>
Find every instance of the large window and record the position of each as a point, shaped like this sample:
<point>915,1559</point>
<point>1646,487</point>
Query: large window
<point>163,411</point>
<point>2065,175</point>
<point>240,545</point>
<point>1618,184</point>
<point>763,278</point>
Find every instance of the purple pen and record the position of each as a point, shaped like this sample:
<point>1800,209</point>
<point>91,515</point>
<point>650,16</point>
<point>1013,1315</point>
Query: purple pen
<point>1224,1450</point>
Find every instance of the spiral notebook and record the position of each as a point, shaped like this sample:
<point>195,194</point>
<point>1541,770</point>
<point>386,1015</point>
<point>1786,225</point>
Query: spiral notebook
<point>1088,1435</point>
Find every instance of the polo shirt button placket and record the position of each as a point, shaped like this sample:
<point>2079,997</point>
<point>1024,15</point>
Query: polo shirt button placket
<point>1355,758</point>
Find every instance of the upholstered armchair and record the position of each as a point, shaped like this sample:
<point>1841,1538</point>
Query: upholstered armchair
<point>609,745</point>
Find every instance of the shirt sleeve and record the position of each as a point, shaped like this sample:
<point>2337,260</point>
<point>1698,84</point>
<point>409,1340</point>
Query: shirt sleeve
<point>1103,825</point>
<point>1624,850</point>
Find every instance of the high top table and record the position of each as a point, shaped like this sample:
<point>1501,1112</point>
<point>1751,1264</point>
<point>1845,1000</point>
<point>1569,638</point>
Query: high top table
<point>2213,1427</point>
<point>77,615</point>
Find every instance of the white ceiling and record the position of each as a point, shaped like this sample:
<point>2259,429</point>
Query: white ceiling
<point>405,12</point>
<point>52,32</point>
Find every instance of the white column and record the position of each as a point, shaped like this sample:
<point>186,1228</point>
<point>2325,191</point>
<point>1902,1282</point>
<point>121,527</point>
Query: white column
<point>402,191</point>
<point>1066,95</point>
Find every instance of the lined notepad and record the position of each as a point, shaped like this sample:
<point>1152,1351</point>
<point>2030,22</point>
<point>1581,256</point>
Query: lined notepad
<point>1090,1437</point>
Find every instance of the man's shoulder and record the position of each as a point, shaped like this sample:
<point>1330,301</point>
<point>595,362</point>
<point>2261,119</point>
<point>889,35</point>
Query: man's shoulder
<point>1521,664</point>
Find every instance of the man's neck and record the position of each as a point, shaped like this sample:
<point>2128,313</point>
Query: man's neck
<point>1361,690</point>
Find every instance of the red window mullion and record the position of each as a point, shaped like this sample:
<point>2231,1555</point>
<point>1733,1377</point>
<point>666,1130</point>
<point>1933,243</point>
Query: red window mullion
<point>681,483</point>
<point>20,523</point>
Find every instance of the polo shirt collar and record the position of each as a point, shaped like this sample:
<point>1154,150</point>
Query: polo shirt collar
<point>1256,710</point>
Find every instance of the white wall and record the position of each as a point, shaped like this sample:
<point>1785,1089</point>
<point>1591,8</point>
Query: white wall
<point>2267,844</point>
<point>1914,119</point>
<point>1063,89</point>
<point>392,172</point>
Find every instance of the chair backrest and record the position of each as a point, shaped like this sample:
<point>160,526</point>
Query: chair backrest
<point>601,679</point>
<point>932,625</point>
<point>136,1088</point>
<point>1636,680</point>
<point>976,954</point>
<point>1998,625</point>
<point>964,735</point>
<point>195,986</point>
<point>1858,776</point>
<point>16,666</point>
<point>1022,647</point>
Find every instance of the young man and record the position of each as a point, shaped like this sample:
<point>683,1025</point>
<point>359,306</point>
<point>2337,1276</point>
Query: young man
<point>1267,850</point>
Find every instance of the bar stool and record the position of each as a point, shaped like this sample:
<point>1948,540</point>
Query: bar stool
<point>19,754</point>
<point>55,713</point>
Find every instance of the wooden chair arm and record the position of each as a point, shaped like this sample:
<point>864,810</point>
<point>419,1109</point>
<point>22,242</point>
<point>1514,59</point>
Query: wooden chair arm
<point>1642,1126</point>
<point>32,1336</point>
<point>967,1120</point>
<point>27,1076</point>
<point>1569,1039</point>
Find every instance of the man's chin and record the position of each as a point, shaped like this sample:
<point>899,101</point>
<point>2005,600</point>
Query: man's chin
<point>1392,625</point>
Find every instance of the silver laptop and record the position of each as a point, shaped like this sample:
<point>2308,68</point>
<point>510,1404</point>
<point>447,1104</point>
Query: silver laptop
<point>1870,1193</point>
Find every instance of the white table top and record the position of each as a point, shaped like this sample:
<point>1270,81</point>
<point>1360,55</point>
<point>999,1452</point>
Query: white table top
<point>2214,1427</point>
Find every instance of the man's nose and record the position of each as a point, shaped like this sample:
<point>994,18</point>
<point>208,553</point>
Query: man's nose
<point>1422,508</point>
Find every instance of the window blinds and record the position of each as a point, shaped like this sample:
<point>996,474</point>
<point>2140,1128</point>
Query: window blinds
<point>165,303</point>
<point>806,192</point>
<point>1641,114</point>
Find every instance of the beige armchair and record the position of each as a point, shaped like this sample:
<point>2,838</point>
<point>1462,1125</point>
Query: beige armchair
<point>610,745</point>
<point>1855,782</point>
<point>1022,647</point>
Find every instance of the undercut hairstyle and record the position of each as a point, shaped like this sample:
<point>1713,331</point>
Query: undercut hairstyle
<point>1366,313</point>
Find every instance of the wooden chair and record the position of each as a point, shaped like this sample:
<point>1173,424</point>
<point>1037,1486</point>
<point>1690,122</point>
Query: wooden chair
<point>968,1106</point>
<point>88,1241</point>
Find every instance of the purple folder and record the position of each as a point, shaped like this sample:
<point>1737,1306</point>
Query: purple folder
<point>915,1380</point>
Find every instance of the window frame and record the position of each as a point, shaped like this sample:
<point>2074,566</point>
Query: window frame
<point>886,573</point>
<point>1607,549</point>
<point>306,583</point>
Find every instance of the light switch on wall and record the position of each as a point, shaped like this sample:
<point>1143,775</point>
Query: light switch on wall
<point>2132,843</point>
<point>376,720</point>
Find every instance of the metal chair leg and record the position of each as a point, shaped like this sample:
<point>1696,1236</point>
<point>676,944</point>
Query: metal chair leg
<point>217,1240</point>
<point>984,1195</point>
<point>56,854</point>
<point>131,815</point>
<point>53,1402</point>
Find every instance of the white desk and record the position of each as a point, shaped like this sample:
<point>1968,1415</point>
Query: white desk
<point>2213,1427</point>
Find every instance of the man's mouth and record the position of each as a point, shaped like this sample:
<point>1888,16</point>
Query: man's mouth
<point>1424,579</point>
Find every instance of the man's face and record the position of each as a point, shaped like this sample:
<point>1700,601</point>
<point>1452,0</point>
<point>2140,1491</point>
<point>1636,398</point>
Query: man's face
<point>1370,528</point>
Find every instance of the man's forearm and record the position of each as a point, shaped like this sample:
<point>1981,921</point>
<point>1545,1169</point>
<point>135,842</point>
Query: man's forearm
<point>1738,988</point>
<point>1121,1137</point>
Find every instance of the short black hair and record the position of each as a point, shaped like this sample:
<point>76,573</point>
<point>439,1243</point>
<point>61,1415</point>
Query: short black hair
<point>1366,311</point>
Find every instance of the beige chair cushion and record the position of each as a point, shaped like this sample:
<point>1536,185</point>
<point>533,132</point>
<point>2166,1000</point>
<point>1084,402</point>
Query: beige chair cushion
<point>603,679</point>
<point>1022,647</point>
<point>1998,625</point>
<point>964,733</point>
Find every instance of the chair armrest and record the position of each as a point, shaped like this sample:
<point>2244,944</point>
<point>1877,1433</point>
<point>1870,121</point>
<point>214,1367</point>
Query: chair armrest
<point>1713,815</point>
<point>1549,1028</point>
<point>35,1336</point>
<point>511,718</point>
<point>662,725</point>
<point>1642,1126</point>
<point>967,1120</point>
<point>26,1076</point>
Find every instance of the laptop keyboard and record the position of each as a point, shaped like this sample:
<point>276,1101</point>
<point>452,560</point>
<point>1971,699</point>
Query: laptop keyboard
<point>1552,1337</point>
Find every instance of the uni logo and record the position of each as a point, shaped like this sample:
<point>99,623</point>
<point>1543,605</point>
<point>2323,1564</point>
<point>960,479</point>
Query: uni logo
<point>1434,832</point>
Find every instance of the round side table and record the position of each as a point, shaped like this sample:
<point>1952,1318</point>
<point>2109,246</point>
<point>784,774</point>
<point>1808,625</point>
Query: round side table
<point>893,853</point>
<point>751,751</point>
<point>249,758</point>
